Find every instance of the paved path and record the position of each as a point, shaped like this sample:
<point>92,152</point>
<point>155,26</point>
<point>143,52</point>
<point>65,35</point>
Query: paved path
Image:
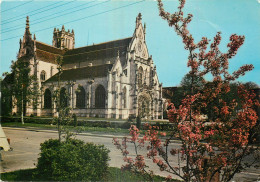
<point>26,147</point>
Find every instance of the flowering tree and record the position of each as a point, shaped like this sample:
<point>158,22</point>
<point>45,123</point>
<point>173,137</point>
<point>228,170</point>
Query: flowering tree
<point>212,148</point>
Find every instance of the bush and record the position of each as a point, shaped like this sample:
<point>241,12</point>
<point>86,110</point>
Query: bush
<point>126,125</point>
<point>138,122</point>
<point>72,160</point>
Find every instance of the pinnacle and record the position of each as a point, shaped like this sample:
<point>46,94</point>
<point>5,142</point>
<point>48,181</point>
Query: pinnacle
<point>139,16</point>
<point>27,22</point>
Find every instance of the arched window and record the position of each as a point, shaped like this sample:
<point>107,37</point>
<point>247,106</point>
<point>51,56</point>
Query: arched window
<point>43,75</point>
<point>47,99</point>
<point>80,97</point>
<point>100,97</point>
<point>63,98</point>
<point>140,76</point>
<point>124,97</point>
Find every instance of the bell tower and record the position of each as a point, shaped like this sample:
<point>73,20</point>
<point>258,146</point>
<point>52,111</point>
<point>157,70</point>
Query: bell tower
<point>63,39</point>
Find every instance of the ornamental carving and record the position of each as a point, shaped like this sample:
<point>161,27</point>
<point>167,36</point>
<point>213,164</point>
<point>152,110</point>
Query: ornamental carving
<point>140,35</point>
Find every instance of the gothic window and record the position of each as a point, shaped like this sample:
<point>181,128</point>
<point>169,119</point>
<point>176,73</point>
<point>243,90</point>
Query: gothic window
<point>140,76</point>
<point>63,97</point>
<point>43,75</point>
<point>125,72</point>
<point>145,76</point>
<point>80,97</point>
<point>100,96</point>
<point>47,99</point>
<point>27,51</point>
<point>124,97</point>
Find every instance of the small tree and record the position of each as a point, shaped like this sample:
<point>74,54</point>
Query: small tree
<point>211,147</point>
<point>63,116</point>
<point>24,87</point>
<point>62,112</point>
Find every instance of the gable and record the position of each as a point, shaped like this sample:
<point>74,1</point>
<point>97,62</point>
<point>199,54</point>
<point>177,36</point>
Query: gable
<point>139,44</point>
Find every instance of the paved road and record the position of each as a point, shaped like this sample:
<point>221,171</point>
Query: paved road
<point>26,147</point>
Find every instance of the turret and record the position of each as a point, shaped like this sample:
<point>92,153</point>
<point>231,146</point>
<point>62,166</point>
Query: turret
<point>63,39</point>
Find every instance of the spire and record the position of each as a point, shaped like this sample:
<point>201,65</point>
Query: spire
<point>27,22</point>
<point>27,28</point>
<point>26,45</point>
<point>27,34</point>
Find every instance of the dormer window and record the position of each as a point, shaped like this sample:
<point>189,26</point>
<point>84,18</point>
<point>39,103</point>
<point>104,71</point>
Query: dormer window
<point>43,75</point>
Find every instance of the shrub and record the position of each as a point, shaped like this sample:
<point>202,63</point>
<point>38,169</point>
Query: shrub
<point>125,125</point>
<point>138,122</point>
<point>72,160</point>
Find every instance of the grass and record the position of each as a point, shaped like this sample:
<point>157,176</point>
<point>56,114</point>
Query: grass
<point>107,130</point>
<point>82,129</point>
<point>80,118</point>
<point>114,174</point>
<point>21,175</point>
<point>36,125</point>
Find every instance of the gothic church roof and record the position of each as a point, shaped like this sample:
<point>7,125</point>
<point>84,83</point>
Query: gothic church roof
<point>47,53</point>
<point>82,73</point>
<point>102,51</point>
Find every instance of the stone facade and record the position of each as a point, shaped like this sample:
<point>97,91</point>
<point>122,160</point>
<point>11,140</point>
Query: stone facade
<point>115,79</point>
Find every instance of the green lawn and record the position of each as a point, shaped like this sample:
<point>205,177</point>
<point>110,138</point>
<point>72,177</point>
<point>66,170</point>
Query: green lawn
<point>82,129</point>
<point>107,130</point>
<point>114,174</point>
<point>36,125</point>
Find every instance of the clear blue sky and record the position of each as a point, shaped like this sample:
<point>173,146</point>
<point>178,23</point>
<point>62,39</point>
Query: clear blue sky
<point>115,19</point>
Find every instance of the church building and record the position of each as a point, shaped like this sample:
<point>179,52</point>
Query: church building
<point>115,79</point>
